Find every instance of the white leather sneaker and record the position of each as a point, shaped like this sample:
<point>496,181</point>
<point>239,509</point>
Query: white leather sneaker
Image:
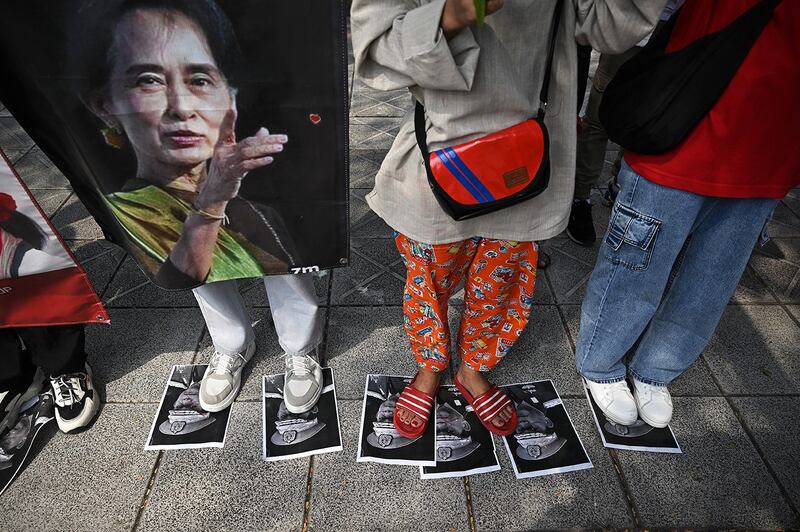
<point>654,403</point>
<point>615,400</point>
<point>223,378</point>
<point>302,383</point>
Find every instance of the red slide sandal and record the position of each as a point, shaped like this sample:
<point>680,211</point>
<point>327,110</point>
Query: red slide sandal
<point>487,405</point>
<point>418,402</point>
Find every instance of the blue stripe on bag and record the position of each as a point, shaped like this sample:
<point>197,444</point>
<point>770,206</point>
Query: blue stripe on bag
<point>476,193</point>
<point>467,172</point>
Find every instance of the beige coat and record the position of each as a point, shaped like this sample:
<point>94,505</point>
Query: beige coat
<point>483,80</point>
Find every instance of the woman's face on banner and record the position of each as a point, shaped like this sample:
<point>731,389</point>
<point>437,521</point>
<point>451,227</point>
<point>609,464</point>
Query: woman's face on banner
<point>165,89</point>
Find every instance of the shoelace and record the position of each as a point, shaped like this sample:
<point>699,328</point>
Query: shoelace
<point>224,364</point>
<point>648,391</point>
<point>620,386</point>
<point>300,364</point>
<point>66,388</point>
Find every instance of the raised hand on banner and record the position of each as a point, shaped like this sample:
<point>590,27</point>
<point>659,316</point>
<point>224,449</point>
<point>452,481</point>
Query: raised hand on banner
<point>233,160</point>
<point>459,14</point>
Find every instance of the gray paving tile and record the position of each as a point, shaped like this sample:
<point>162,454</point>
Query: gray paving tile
<point>367,105</point>
<point>778,264</point>
<point>229,488</point>
<point>751,289</point>
<point>13,138</point>
<point>372,278</point>
<point>570,268</point>
<point>376,497</point>
<point>542,352</point>
<point>590,498</point>
<point>73,221</point>
<point>39,172</point>
<point>131,359</point>
<point>719,481</point>
<point>795,310</point>
<point>785,222</point>
<point>50,200</point>
<point>754,351</point>
<point>771,421</point>
<point>131,288</point>
<point>94,480</point>
<point>364,166</point>
<point>364,340</point>
<point>99,258</point>
<point>792,201</point>
<point>373,133</point>
<point>696,381</point>
<point>363,222</point>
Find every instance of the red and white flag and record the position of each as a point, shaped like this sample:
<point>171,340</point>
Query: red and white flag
<point>41,283</point>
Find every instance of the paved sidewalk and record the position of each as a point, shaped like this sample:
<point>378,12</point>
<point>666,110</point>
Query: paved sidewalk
<point>737,409</point>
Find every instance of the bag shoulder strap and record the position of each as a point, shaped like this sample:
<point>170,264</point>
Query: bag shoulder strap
<point>550,53</point>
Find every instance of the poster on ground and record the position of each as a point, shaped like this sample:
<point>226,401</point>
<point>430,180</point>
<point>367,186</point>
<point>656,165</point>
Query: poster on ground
<point>288,435</point>
<point>180,422</point>
<point>41,283</point>
<point>208,137</point>
<point>16,442</point>
<point>636,437</point>
<point>545,442</point>
<point>463,445</point>
<point>378,439</point>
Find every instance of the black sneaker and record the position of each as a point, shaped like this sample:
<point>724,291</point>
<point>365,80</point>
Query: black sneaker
<point>11,400</point>
<point>581,227</point>
<point>77,401</point>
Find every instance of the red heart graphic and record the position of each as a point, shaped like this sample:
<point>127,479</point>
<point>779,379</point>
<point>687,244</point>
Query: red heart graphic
<point>315,118</point>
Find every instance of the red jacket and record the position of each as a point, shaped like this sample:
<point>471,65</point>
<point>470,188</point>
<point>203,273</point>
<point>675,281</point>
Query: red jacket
<point>748,146</point>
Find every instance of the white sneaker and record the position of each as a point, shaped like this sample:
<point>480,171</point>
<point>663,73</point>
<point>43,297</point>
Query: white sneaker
<point>654,403</point>
<point>223,378</point>
<point>615,400</point>
<point>302,383</point>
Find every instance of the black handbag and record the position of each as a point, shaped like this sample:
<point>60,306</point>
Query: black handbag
<point>656,98</point>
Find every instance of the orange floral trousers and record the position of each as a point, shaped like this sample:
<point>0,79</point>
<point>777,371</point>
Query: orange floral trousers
<point>498,294</point>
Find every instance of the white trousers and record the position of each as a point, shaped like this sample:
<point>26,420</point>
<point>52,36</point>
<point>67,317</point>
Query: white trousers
<point>292,301</point>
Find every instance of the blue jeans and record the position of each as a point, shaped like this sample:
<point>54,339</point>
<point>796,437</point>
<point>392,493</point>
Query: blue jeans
<point>668,265</point>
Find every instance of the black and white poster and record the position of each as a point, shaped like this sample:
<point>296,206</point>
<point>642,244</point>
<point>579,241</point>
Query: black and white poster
<point>16,442</point>
<point>209,137</point>
<point>379,441</point>
<point>463,445</point>
<point>545,442</point>
<point>180,422</point>
<point>287,435</point>
<point>637,437</point>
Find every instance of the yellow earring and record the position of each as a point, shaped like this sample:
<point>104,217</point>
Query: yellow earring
<point>113,137</point>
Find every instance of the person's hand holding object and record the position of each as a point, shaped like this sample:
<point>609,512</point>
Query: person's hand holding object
<point>459,14</point>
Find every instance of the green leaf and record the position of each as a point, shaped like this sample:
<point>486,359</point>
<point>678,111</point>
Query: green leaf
<point>480,11</point>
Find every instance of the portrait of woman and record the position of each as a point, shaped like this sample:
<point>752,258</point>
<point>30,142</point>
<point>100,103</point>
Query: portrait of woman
<point>160,76</point>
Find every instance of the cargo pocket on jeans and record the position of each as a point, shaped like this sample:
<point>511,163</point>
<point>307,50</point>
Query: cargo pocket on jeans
<point>630,238</point>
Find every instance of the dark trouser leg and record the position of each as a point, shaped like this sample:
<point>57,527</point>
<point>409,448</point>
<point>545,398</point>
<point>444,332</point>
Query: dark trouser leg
<point>16,366</point>
<point>58,350</point>
<point>591,150</point>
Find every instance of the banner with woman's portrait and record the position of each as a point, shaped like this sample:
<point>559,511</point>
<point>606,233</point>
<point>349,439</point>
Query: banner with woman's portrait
<point>209,137</point>
<point>40,281</point>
